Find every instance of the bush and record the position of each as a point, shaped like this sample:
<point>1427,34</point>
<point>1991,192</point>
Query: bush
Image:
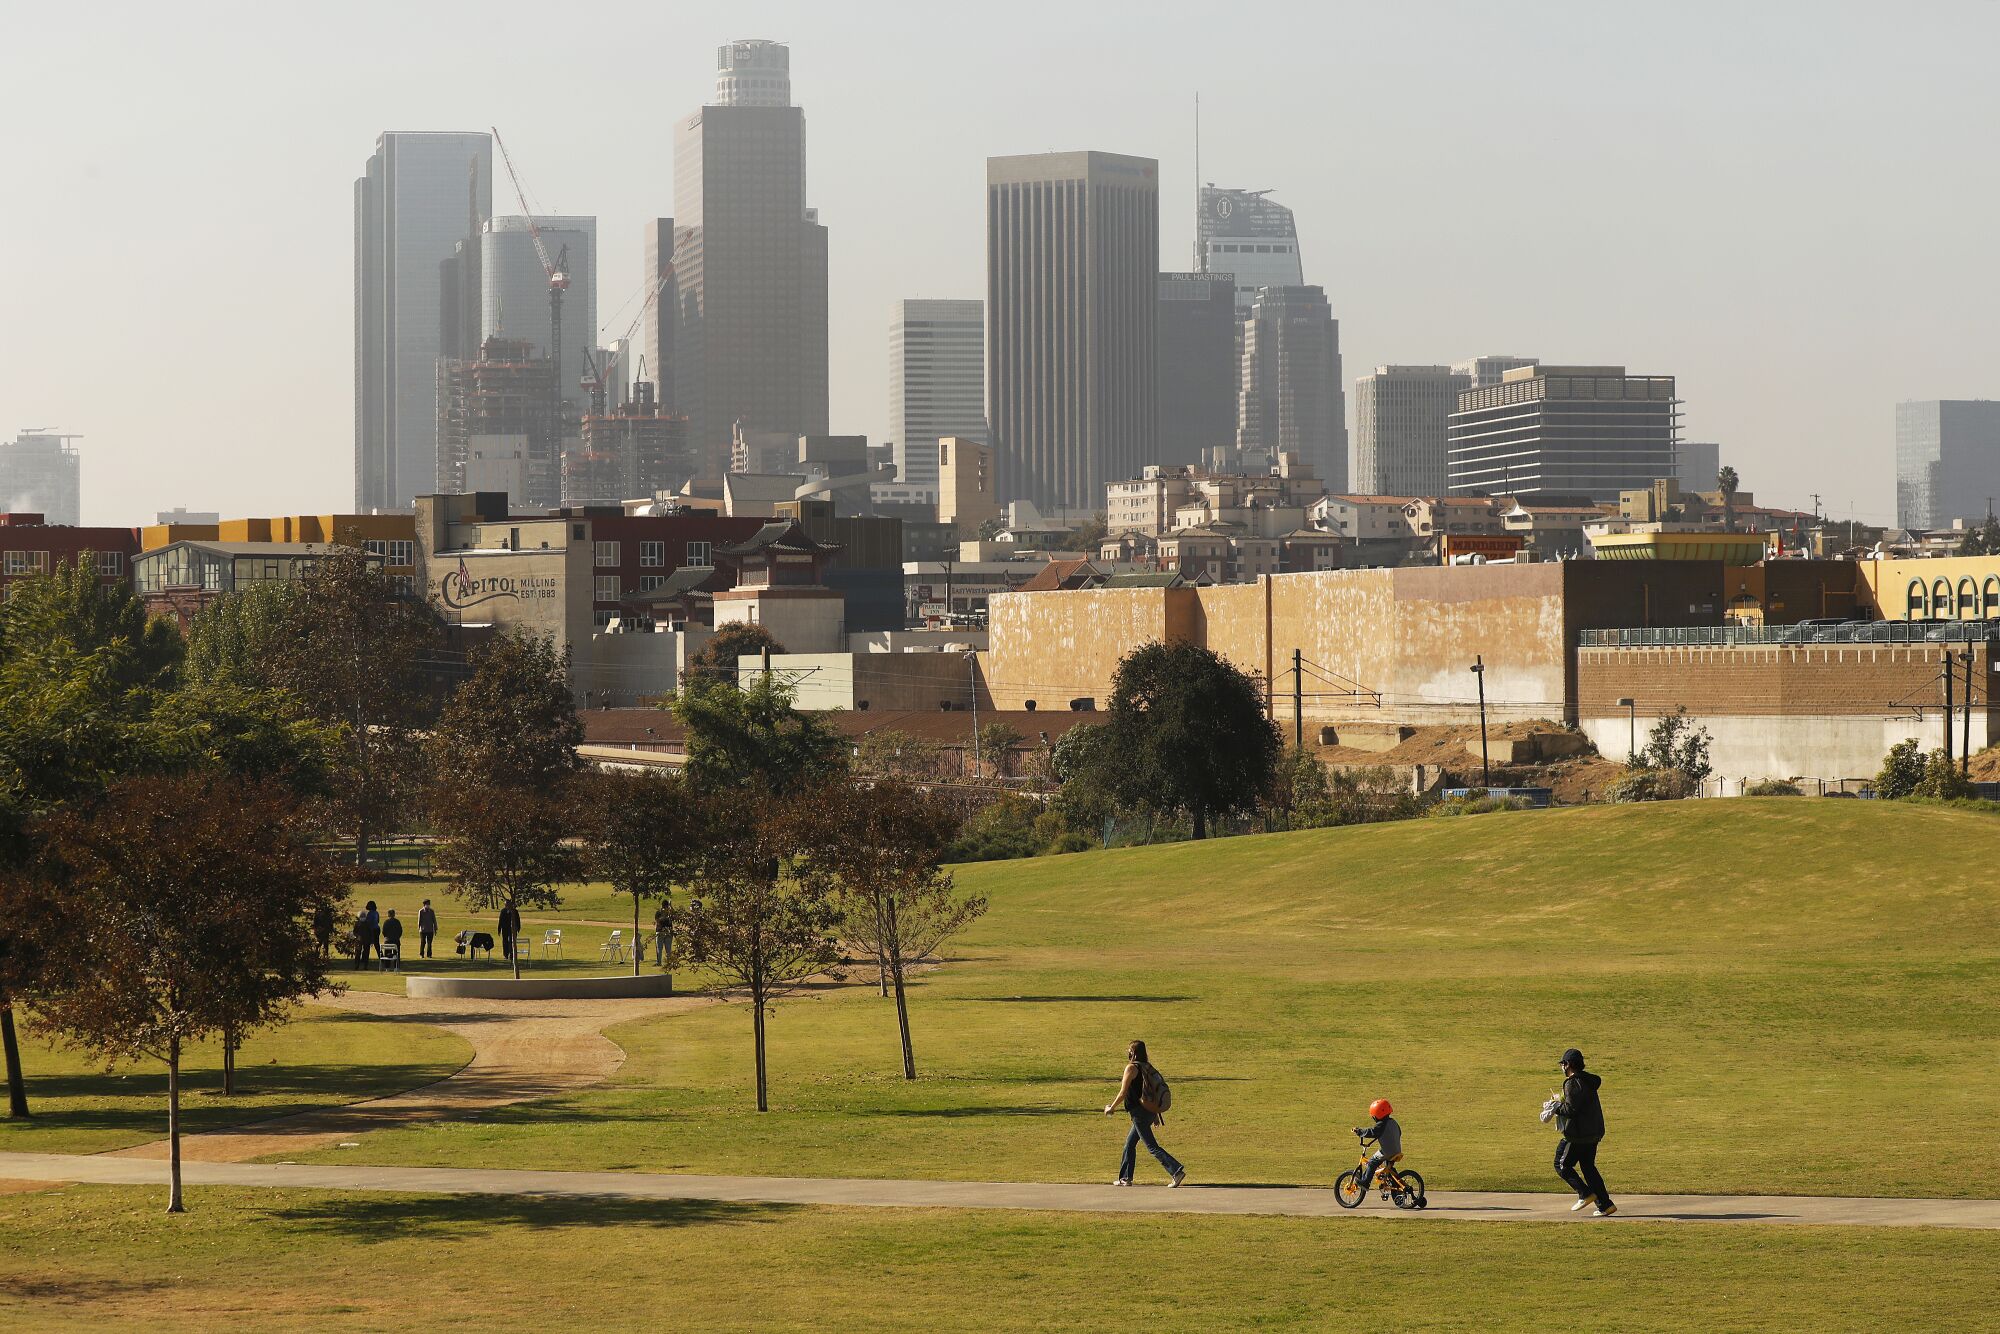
<point>999,831</point>
<point>1651,785</point>
<point>1907,772</point>
<point>1773,787</point>
<point>1070,842</point>
<point>1478,802</point>
<point>1676,743</point>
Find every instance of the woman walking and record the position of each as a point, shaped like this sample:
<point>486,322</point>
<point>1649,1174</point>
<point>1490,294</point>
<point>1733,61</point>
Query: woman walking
<point>1136,1094</point>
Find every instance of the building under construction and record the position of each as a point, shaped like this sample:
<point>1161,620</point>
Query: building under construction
<point>634,450</point>
<point>498,427</point>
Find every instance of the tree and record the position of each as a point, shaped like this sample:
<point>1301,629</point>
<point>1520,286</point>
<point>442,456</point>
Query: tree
<point>646,834</point>
<point>1676,743</point>
<point>1982,539</point>
<point>67,611</point>
<point>1902,771</point>
<point>514,723</point>
<point>717,659</point>
<point>996,747</point>
<point>753,737</point>
<point>356,653</point>
<point>758,928</point>
<point>237,638</point>
<point>882,846</point>
<point>504,847</point>
<point>1188,734</point>
<point>172,909</point>
<point>893,753</point>
<point>990,529</point>
<point>1090,535</point>
<point>1725,482</point>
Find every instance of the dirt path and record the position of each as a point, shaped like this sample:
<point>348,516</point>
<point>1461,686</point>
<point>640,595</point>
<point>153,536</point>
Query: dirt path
<point>521,1050</point>
<point>1307,1202</point>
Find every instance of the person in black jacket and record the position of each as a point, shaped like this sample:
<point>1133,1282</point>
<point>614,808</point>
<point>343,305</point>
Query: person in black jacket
<point>1580,1117</point>
<point>392,934</point>
<point>510,927</point>
<point>427,929</point>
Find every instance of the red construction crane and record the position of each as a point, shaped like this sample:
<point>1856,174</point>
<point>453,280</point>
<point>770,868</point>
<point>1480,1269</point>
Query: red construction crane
<point>556,269</point>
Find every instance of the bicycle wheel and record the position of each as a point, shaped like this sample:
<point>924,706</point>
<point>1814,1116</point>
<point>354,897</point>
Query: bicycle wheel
<point>1412,1194</point>
<point>1348,1189</point>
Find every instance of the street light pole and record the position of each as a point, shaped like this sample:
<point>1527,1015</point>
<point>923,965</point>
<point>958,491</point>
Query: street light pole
<point>1631,707</point>
<point>972,684</point>
<point>1479,675</point>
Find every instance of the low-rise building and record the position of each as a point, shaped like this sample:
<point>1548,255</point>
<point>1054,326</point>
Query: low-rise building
<point>181,578</point>
<point>28,547</point>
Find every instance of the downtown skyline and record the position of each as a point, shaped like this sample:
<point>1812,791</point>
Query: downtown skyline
<point>1785,177</point>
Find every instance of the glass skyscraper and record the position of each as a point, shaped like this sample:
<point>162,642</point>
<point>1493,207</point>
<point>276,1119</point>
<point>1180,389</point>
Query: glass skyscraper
<point>422,194</point>
<point>1947,462</point>
<point>937,383</point>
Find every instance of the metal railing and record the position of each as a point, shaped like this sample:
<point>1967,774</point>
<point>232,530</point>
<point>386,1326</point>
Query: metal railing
<point>1850,632</point>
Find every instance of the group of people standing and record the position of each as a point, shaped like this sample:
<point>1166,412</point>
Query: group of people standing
<point>1576,1110</point>
<point>372,932</point>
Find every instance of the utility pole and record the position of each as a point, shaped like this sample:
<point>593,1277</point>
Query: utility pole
<point>1299,699</point>
<point>1479,675</point>
<point>1965,747</point>
<point>1950,675</point>
<point>972,683</point>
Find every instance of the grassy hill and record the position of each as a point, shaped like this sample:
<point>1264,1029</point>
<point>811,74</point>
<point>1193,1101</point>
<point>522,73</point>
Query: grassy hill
<point>1782,995</point>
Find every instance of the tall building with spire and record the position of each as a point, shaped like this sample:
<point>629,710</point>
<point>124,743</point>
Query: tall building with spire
<point>422,194</point>
<point>1072,274</point>
<point>749,257</point>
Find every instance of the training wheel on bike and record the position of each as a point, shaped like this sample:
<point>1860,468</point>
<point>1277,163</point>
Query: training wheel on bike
<point>1348,1190</point>
<point>1412,1194</point>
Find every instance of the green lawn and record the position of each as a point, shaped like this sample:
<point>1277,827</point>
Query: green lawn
<point>323,1058</point>
<point>587,917</point>
<point>1783,996</point>
<point>285,1260</point>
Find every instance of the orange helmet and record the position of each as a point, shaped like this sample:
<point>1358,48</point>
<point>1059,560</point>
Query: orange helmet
<point>1379,1108</point>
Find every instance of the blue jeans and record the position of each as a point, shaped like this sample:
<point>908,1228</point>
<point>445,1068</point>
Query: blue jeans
<point>1142,1129</point>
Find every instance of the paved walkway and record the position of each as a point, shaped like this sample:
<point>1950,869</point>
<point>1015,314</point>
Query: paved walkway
<point>521,1051</point>
<point>1453,1206</point>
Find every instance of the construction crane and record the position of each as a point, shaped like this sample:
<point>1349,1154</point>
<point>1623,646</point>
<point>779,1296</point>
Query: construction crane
<point>557,269</point>
<point>596,381</point>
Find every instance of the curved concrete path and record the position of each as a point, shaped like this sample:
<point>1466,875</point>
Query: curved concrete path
<point>1311,1202</point>
<point>521,1050</point>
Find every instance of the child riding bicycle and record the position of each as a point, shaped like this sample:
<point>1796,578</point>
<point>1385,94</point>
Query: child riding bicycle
<point>1387,1136</point>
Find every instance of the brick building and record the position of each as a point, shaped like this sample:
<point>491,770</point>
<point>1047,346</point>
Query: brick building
<point>29,547</point>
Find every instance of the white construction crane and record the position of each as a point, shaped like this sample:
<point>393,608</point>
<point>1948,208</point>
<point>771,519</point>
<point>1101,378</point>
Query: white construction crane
<point>556,269</point>
<point>597,381</point>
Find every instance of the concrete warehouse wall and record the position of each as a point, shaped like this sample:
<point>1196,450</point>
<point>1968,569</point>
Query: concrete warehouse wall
<point>1825,711</point>
<point>1056,646</point>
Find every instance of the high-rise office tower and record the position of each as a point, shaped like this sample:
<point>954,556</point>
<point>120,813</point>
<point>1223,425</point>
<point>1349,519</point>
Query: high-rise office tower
<point>1947,462</point>
<point>1198,366</point>
<point>1483,372</point>
<point>422,194</point>
<point>937,383</point>
<point>656,323</point>
<point>1589,431</point>
<point>514,293</point>
<point>1250,237</point>
<point>40,473</point>
<point>1072,270</point>
<point>1696,463</point>
<point>749,341</point>
<point>1402,429</point>
<point>1292,399</point>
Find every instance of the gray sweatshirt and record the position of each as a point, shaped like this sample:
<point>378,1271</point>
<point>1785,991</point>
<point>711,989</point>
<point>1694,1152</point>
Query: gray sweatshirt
<point>1388,1137</point>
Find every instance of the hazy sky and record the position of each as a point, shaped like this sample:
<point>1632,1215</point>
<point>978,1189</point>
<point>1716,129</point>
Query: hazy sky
<point>1790,206</point>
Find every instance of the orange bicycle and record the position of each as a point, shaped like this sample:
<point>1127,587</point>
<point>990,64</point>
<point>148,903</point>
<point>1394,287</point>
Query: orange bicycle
<point>1401,1186</point>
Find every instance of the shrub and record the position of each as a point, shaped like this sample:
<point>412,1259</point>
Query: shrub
<point>999,831</point>
<point>1676,743</point>
<point>1478,802</point>
<point>1942,781</point>
<point>1651,785</point>
<point>1070,842</point>
<point>1902,770</point>
<point>1773,787</point>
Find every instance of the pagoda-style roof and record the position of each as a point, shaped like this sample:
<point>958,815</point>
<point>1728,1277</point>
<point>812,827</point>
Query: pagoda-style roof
<point>778,535</point>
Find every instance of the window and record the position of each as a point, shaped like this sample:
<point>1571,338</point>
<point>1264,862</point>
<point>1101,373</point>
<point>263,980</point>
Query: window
<point>401,552</point>
<point>652,583</point>
<point>698,555</point>
<point>607,554</point>
<point>652,555</point>
<point>17,562</point>
<point>110,564</point>
<point>375,547</point>
<point>607,588</point>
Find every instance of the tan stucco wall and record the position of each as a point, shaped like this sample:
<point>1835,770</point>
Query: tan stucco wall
<point>1888,583</point>
<point>1054,647</point>
<point>1409,634</point>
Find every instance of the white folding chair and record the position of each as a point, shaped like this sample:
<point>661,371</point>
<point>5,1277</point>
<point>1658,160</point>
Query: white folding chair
<point>614,948</point>
<point>552,942</point>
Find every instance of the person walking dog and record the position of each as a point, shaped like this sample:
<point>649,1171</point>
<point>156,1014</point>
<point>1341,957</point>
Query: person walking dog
<point>1144,1095</point>
<point>1580,1117</point>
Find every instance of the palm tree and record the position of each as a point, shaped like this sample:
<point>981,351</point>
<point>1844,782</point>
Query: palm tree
<point>1725,482</point>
